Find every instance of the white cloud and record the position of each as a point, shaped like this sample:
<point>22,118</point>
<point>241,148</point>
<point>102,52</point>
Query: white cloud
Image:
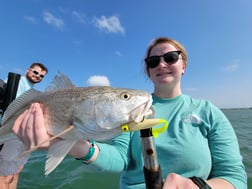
<point>231,67</point>
<point>110,25</point>
<point>118,53</point>
<point>52,20</point>
<point>80,17</point>
<point>30,19</point>
<point>98,80</point>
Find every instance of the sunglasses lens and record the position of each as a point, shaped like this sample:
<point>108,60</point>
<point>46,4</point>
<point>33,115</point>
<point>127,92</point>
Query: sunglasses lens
<point>152,61</point>
<point>171,57</point>
<point>36,73</point>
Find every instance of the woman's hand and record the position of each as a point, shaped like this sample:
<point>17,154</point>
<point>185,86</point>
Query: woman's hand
<point>30,127</point>
<point>175,181</point>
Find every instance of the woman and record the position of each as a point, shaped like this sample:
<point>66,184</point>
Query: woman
<point>200,142</point>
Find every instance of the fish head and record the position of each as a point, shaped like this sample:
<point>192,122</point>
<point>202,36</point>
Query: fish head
<point>120,106</point>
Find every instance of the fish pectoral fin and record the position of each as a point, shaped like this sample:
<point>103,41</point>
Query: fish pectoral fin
<point>56,154</point>
<point>69,128</point>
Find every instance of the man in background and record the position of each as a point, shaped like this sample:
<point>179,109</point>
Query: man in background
<point>34,74</point>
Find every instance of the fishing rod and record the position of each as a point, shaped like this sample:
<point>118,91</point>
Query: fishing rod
<point>151,169</point>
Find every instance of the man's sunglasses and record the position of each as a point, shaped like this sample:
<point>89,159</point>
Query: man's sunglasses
<point>169,58</point>
<point>36,73</point>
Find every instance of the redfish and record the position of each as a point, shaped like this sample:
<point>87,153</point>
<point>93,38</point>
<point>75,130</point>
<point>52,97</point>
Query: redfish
<point>74,113</point>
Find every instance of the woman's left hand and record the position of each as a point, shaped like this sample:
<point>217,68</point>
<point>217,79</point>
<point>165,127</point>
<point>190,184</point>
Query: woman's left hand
<point>30,127</point>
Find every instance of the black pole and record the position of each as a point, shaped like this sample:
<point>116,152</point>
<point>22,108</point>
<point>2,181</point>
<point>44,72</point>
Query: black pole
<point>2,91</point>
<point>152,169</point>
<point>11,89</point>
<point>10,92</point>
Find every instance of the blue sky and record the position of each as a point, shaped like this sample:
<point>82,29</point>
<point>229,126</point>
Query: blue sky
<point>83,38</point>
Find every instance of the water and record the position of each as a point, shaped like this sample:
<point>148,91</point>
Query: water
<point>241,120</point>
<point>71,175</point>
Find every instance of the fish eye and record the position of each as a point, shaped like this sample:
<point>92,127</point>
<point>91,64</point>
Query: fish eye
<point>125,96</point>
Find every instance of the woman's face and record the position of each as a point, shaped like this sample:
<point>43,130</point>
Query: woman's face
<point>166,73</point>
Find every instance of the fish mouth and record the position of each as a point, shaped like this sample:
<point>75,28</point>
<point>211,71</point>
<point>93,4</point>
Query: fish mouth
<point>143,110</point>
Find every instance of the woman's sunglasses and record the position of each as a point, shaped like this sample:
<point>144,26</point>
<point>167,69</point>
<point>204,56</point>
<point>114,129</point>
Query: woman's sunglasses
<point>36,73</point>
<point>169,58</point>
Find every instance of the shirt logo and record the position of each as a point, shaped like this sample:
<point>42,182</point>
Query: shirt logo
<point>192,118</point>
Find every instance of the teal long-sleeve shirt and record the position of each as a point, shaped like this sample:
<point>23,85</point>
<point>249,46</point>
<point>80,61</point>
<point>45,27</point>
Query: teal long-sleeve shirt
<point>199,141</point>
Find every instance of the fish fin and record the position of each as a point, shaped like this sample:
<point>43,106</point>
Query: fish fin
<point>6,137</point>
<point>52,138</point>
<point>19,102</point>
<point>60,81</point>
<point>56,154</point>
<point>9,157</point>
